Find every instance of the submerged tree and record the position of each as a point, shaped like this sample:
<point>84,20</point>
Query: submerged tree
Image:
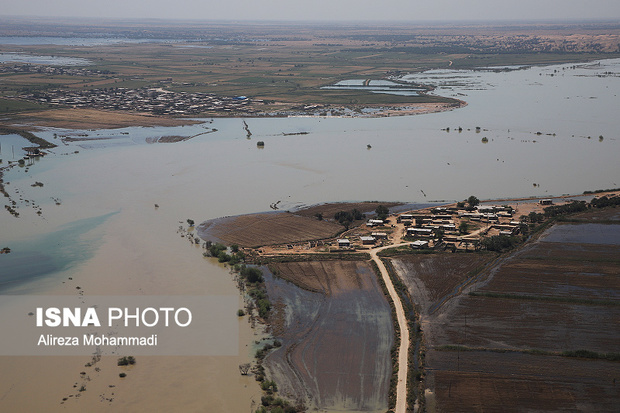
<point>244,368</point>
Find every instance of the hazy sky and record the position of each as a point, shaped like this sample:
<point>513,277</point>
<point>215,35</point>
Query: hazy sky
<point>401,10</point>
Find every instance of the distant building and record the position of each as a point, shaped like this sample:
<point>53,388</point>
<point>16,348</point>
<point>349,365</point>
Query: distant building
<point>344,243</point>
<point>419,244</point>
<point>419,232</point>
<point>367,240</point>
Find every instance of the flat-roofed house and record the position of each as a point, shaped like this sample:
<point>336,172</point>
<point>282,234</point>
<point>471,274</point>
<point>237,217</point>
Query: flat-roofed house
<point>344,243</point>
<point>367,240</point>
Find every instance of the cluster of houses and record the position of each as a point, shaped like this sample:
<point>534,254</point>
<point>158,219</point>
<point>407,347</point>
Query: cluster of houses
<point>52,70</point>
<point>371,239</point>
<point>441,227</point>
<point>444,224</point>
<point>157,101</point>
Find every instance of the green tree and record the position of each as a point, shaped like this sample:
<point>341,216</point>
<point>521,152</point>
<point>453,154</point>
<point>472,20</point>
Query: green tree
<point>439,234</point>
<point>382,212</point>
<point>472,201</point>
<point>344,218</point>
<point>252,275</point>
<point>357,215</point>
<point>464,227</point>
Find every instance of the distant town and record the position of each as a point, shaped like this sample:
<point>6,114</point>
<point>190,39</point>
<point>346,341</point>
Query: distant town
<point>150,100</point>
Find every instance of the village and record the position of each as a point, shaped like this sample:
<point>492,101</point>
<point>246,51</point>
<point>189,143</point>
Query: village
<point>156,101</point>
<point>456,227</point>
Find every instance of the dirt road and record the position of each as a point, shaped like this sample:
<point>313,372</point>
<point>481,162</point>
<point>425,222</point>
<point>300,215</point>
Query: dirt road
<point>403,353</point>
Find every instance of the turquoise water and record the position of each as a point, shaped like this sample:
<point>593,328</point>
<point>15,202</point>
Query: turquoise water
<point>49,253</point>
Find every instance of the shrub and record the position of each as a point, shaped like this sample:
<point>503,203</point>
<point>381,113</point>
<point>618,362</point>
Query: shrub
<point>252,275</point>
<point>215,249</point>
<point>264,305</point>
<point>499,243</point>
<point>223,257</point>
<point>125,361</point>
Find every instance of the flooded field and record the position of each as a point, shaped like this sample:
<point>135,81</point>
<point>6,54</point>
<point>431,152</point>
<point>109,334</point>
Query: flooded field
<point>336,341</point>
<point>513,335</point>
<point>584,234</point>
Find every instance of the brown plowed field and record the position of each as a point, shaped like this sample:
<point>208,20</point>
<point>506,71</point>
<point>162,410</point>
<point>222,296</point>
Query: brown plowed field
<point>432,277</point>
<point>257,230</point>
<point>336,341</point>
<point>548,296</point>
<point>528,324</point>
<point>475,381</point>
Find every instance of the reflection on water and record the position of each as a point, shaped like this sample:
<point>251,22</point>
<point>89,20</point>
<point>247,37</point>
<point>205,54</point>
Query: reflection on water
<point>11,147</point>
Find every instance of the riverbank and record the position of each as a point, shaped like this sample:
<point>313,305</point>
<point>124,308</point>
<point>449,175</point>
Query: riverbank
<point>77,118</point>
<point>90,119</point>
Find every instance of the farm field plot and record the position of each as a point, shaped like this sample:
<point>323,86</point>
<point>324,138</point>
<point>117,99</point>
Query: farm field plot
<point>527,324</point>
<point>475,381</point>
<point>336,341</point>
<point>257,230</point>
<point>431,277</point>
<point>510,340</point>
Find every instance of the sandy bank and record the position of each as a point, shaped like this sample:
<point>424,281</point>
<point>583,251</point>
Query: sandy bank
<point>94,119</point>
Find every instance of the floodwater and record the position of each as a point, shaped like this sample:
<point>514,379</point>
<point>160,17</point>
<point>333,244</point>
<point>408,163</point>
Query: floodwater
<point>583,234</point>
<point>103,192</point>
<point>376,86</point>
<point>43,60</point>
<point>71,41</point>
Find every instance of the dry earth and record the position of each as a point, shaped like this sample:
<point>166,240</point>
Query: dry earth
<point>95,119</point>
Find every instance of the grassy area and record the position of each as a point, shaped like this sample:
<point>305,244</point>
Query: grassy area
<point>15,106</point>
